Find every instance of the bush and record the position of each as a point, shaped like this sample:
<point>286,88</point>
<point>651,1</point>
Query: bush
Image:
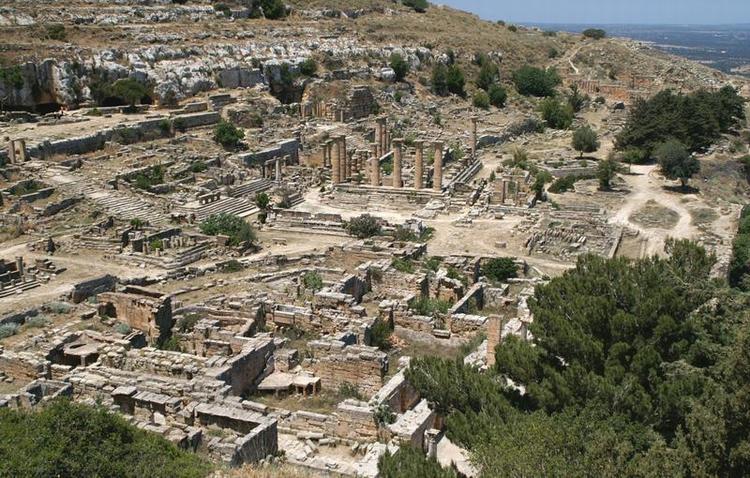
<point>513,28</point>
<point>605,173</point>
<point>363,227</point>
<point>172,344</point>
<point>129,90</point>
<point>448,79</point>
<point>37,322</point>
<point>428,307</point>
<point>402,265</point>
<point>419,6</point>
<point>380,334</point>
<point>576,100</point>
<point>198,166</point>
<point>408,461</point>
<point>308,67</point>
<point>228,135</point>
<point>151,177</point>
<point>223,8</point>
<point>348,390</point>
<point>500,269</point>
<point>498,96</point>
<point>12,76</point>
<point>585,140</point>
<point>58,307</point>
<point>565,183</point>
<point>595,33</point>
<point>187,323</point>
<point>481,100</point>
<point>7,330</point>
<point>489,74</point>
<point>384,415</point>
<point>56,31</point>
<point>68,439</point>
<point>532,81</point>
<point>312,280</point>
<point>400,66</point>
<point>556,114</point>
<point>238,231</point>
<point>122,328</point>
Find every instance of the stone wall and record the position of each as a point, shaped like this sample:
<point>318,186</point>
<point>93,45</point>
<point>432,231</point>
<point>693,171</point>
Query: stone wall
<point>140,309</point>
<point>289,147</point>
<point>89,288</point>
<point>359,365</point>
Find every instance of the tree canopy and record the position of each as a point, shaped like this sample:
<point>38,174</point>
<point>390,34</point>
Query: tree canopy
<point>239,231</point>
<point>585,140</point>
<point>533,81</point>
<point>400,66</point>
<point>676,162</point>
<point>697,120</point>
<point>68,439</point>
<point>637,368</point>
<point>557,114</point>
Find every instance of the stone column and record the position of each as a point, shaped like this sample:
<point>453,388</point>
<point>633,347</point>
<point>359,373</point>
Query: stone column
<point>381,138</point>
<point>336,163</point>
<point>346,170</point>
<point>418,165</point>
<point>19,265</point>
<point>397,163</point>
<point>375,167</point>
<point>11,152</point>
<point>437,176</point>
<point>474,137</point>
<point>278,170</point>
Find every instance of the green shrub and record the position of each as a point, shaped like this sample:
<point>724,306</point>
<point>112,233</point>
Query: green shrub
<point>498,96</point>
<point>363,226</point>
<point>58,307</point>
<point>433,263</point>
<point>595,33</point>
<point>151,177</point>
<point>400,66</point>
<point>236,228</point>
<point>56,31</point>
<point>165,126</point>
<point>68,439</point>
<point>348,390</point>
<point>556,114</point>
<point>564,183</point>
<point>129,90</point>
<point>37,322</point>
<point>12,76</point>
<point>172,344</point>
<point>512,28</point>
<point>380,334</point>
<point>532,81</point>
<point>187,323</point>
<point>409,461</point>
<point>500,269</point>
<point>481,100</point>
<point>489,74</point>
<point>122,328</point>
<point>308,67</point>
<point>429,307</point>
<point>223,8</point>
<point>312,280</point>
<point>419,6</point>
<point>198,166</point>
<point>384,415</point>
<point>448,79</point>
<point>403,265</point>
<point>7,330</point>
<point>228,135</point>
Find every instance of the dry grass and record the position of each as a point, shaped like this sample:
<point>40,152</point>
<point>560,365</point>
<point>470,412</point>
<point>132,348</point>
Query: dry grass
<point>266,471</point>
<point>652,215</point>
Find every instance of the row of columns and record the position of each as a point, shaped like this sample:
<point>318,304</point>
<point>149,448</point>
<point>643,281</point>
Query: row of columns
<point>398,159</point>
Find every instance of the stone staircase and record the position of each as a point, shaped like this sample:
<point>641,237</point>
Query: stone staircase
<point>249,190</point>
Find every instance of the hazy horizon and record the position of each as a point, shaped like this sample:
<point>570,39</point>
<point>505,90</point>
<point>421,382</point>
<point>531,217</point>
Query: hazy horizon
<point>611,12</point>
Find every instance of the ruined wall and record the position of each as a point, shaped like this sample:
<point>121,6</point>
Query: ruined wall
<point>359,365</point>
<point>243,370</point>
<point>150,315</point>
<point>86,289</point>
<point>257,445</point>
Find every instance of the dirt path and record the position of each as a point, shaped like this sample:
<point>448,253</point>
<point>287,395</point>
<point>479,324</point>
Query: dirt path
<point>646,185</point>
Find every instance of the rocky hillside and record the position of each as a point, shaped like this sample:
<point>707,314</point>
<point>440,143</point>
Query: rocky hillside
<point>56,52</point>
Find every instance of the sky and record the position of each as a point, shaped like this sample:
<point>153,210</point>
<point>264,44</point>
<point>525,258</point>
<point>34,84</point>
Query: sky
<point>599,12</point>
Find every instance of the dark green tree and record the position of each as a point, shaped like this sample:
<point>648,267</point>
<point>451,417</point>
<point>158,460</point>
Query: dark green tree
<point>585,140</point>
<point>400,66</point>
<point>532,81</point>
<point>676,162</point>
<point>556,114</point>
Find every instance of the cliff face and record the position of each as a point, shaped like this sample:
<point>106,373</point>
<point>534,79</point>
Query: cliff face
<point>182,50</point>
